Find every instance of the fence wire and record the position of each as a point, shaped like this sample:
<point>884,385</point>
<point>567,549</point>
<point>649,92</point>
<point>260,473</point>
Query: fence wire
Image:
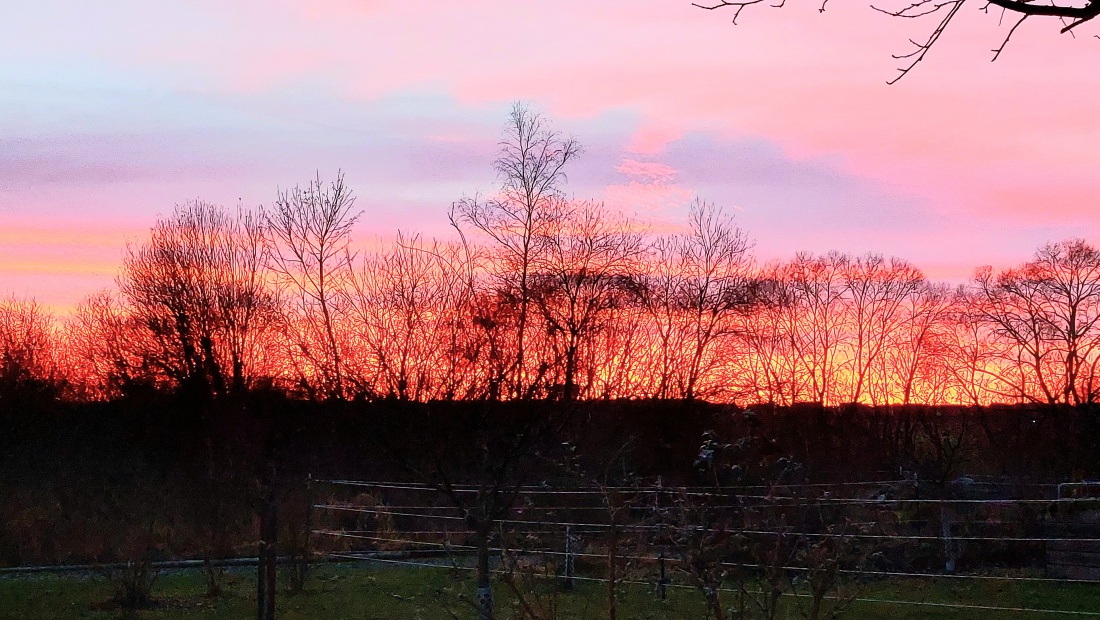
<point>744,498</point>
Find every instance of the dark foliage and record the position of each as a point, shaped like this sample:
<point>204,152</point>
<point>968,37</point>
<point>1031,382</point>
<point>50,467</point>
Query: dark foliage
<point>80,477</point>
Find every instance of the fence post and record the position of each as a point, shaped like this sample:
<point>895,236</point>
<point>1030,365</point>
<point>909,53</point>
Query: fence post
<point>570,557</point>
<point>663,581</point>
<point>261,590</point>
<point>266,571</point>
<point>303,567</point>
<point>950,547</point>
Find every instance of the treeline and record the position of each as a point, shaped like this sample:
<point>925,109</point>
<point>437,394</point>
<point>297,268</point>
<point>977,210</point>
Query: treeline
<point>545,297</point>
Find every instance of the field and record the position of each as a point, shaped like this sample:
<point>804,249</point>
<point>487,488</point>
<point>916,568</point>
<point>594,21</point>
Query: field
<point>373,591</point>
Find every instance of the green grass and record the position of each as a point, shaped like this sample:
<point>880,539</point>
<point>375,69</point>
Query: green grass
<point>370,592</point>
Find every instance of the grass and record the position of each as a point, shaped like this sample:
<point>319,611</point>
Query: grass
<point>364,592</point>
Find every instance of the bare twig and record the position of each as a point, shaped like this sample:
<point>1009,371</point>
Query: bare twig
<point>997,51</point>
<point>738,5</point>
<point>922,49</point>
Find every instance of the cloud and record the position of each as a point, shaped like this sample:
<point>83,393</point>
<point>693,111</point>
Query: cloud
<point>780,192</point>
<point>98,160</point>
<point>651,200</point>
<point>123,109</point>
<point>651,138</point>
<point>649,170</point>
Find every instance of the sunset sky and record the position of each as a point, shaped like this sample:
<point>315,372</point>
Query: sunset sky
<point>113,112</point>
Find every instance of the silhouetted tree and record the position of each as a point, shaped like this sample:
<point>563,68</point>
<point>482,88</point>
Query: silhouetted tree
<point>876,290</point>
<point>916,354</point>
<point>1046,315</point>
<point>197,288</point>
<point>820,333</point>
<point>29,370</point>
<point>310,230</point>
<point>413,304</point>
<point>478,458</point>
<point>102,341</point>
<point>701,281</point>
<point>773,371</point>
<point>582,276</point>
<point>967,354</point>
<point>531,167</point>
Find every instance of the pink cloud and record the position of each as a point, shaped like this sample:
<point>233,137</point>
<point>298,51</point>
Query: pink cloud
<point>1013,141</point>
<point>647,200</point>
<point>811,82</point>
<point>651,170</point>
<point>651,139</point>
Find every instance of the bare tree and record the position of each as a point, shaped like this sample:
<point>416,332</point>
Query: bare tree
<point>619,358</point>
<point>820,330</point>
<point>875,293</point>
<point>581,278</point>
<point>311,230</point>
<point>715,266</point>
<point>1046,315</point>
<point>103,340</point>
<point>197,289</point>
<point>771,333</point>
<point>478,458</point>
<point>968,353</point>
<point>916,350</point>
<point>658,294</point>
<point>413,303</point>
<point>247,304</point>
<point>700,281</point>
<point>531,167</point>
<point>28,346</point>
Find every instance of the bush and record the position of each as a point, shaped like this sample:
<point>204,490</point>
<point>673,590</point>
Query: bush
<point>132,583</point>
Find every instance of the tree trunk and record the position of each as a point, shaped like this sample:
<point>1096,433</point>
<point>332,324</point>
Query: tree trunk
<point>612,573</point>
<point>484,587</point>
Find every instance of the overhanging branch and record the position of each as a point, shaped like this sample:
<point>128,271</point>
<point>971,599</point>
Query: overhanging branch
<point>1083,13</point>
<point>1077,14</point>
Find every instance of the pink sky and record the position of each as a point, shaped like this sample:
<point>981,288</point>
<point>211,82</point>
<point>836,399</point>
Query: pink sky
<point>114,112</point>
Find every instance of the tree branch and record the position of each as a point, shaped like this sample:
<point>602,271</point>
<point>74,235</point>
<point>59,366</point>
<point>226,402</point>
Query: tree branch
<point>997,51</point>
<point>1079,14</point>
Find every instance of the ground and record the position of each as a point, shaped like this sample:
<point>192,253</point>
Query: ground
<point>374,592</point>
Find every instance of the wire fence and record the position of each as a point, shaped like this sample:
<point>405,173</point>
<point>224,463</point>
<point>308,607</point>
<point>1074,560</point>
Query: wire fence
<point>413,517</point>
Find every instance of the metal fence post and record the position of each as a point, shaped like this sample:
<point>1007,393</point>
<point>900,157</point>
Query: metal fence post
<point>570,557</point>
<point>662,583</point>
<point>266,569</point>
